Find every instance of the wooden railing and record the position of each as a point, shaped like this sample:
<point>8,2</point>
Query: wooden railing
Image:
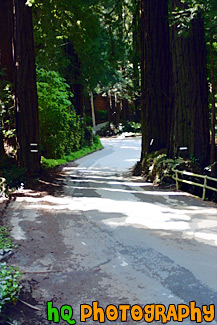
<point>2,186</point>
<point>204,185</point>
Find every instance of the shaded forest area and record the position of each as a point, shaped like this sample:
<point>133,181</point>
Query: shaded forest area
<point>147,61</point>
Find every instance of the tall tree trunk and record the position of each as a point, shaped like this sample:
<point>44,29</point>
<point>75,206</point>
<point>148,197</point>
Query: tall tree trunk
<point>74,78</point>
<point>108,106</point>
<point>136,58</point>
<point>213,118</point>
<point>6,53</point>
<point>189,127</point>
<point>142,43</point>
<point>25,89</point>
<point>6,40</point>
<point>92,110</point>
<point>117,109</point>
<point>78,99</point>
<point>155,69</point>
<point>124,110</point>
<point>113,108</point>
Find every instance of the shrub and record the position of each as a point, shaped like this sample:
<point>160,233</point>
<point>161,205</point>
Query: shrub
<point>9,276</point>
<point>132,127</point>
<point>110,130</point>
<point>9,284</point>
<point>157,167</point>
<point>88,135</point>
<point>14,175</point>
<point>101,116</point>
<point>60,127</point>
<point>51,163</point>
<point>5,240</point>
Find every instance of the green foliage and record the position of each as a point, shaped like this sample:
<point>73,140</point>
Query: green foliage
<point>88,135</point>
<point>7,113</point>
<point>101,116</point>
<point>60,127</point>
<point>59,23</point>
<point>13,174</point>
<point>9,284</point>
<point>51,163</point>
<point>5,240</point>
<point>132,127</point>
<point>189,10</point>
<point>110,129</point>
<point>9,276</point>
<point>157,167</point>
<point>194,159</point>
<point>88,120</point>
<point>100,34</point>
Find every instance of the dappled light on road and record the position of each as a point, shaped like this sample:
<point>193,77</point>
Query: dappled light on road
<point>110,236</point>
<point>153,209</point>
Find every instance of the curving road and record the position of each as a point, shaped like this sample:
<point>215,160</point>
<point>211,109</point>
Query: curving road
<point>114,239</point>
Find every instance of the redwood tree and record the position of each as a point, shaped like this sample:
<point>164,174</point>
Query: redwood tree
<point>25,89</point>
<point>189,123</point>
<point>155,72</point>
<point>136,58</point>
<point>213,117</point>
<point>18,58</point>
<point>6,54</point>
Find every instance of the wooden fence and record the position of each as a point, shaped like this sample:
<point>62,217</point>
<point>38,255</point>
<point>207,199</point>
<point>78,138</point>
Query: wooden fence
<point>204,185</point>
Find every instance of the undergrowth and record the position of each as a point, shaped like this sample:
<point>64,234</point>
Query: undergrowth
<point>5,240</point>
<point>111,130</point>
<point>13,174</point>
<point>156,167</point>
<point>9,276</point>
<point>51,163</point>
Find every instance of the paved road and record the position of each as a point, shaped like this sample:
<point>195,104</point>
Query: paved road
<point>116,240</point>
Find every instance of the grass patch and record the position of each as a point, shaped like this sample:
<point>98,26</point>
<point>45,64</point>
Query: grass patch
<point>51,163</point>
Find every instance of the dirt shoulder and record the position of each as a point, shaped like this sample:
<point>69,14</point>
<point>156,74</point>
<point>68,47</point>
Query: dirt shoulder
<point>41,240</point>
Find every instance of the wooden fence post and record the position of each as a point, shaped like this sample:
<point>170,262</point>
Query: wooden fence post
<point>177,182</point>
<point>204,188</point>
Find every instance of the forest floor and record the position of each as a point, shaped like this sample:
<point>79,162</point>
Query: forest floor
<point>91,232</point>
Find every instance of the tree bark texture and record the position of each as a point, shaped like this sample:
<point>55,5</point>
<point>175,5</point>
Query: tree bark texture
<point>25,89</point>
<point>74,79</point>
<point>6,40</point>
<point>189,121</point>
<point>136,61</point>
<point>155,71</point>
<point>6,52</point>
<point>213,118</point>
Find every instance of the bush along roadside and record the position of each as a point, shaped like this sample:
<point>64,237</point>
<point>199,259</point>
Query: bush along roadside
<point>95,144</point>
<point>17,177</point>
<point>110,129</point>
<point>9,276</point>
<point>14,175</point>
<point>157,168</point>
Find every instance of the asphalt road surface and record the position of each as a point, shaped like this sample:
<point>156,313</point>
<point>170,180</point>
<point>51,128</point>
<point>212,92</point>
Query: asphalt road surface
<point>114,239</point>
